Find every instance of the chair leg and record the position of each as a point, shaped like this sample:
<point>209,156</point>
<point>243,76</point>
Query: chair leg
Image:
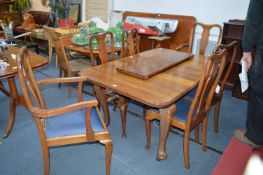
<point>148,132</point>
<point>216,115</point>
<point>45,153</point>
<point>197,134</point>
<point>3,89</point>
<point>69,85</point>
<point>123,105</point>
<point>108,150</point>
<point>50,51</point>
<point>204,130</point>
<point>60,76</point>
<point>186,149</point>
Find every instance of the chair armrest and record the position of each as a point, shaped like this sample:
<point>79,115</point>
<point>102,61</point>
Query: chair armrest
<point>182,46</point>
<point>43,113</point>
<point>65,80</point>
<point>60,80</point>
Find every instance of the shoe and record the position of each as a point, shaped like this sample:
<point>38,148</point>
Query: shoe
<point>239,135</point>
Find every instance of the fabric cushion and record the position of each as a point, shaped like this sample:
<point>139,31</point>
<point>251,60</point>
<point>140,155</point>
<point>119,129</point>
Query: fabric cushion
<point>182,109</point>
<point>72,123</point>
<point>191,94</point>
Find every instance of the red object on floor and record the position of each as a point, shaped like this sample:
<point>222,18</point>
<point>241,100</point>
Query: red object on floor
<point>140,29</point>
<point>235,158</point>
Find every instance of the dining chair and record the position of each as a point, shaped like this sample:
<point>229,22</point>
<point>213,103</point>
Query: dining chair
<point>189,115</point>
<point>231,50</point>
<point>3,89</point>
<point>51,44</point>
<point>72,124</point>
<point>73,54</point>
<point>130,43</point>
<point>68,67</point>
<point>203,42</point>
<point>101,52</point>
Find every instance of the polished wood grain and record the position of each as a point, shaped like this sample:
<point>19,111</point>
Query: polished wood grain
<point>10,72</point>
<point>156,91</point>
<point>149,63</point>
<point>159,91</point>
<point>31,90</point>
<point>180,36</point>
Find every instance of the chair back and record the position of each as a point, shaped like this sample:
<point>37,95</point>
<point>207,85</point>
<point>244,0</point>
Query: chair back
<point>105,48</point>
<point>59,46</point>
<point>231,52</point>
<point>49,33</point>
<point>130,43</point>
<point>212,72</point>
<point>28,82</point>
<point>204,36</point>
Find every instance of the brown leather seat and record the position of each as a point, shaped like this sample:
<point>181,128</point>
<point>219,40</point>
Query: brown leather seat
<point>41,18</point>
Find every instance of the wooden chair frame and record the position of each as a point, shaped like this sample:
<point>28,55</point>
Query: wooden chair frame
<point>231,50</point>
<point>63,62</point>
<point>40,113</point>
<point>204,37</point>
<point>104,52</point>
<point>200,107</point>
<point>3,89</point>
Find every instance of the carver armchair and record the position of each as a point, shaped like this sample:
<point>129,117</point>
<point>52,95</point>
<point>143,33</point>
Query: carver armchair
<point>77,123</point>
<point>190,115</point>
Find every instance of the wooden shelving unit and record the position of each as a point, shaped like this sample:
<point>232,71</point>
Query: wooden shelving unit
<point>233,31</point>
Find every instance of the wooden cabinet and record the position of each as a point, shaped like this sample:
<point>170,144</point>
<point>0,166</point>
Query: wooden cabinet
<point>7,12</point>
<point>233,31</point>
<point>180,36</point>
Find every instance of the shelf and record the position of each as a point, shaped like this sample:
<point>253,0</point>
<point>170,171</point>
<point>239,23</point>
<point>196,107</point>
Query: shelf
<point>232,37</point>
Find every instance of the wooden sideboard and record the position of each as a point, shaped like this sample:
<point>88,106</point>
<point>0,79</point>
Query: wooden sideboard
<point>233,31</point>
<point>180,36</point>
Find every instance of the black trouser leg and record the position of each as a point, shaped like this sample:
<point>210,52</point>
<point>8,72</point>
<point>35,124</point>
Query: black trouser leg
<point>254,122</point>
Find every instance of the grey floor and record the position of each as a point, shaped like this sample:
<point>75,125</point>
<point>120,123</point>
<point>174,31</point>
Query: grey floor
<point>20,153</point>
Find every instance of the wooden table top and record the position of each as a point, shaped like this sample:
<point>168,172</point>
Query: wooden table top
<point>152,62</point>
<point>11,70</point>
<point>159,91</point>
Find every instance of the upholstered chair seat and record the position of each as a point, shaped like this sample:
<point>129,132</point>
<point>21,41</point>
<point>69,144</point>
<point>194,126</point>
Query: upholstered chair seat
<point>72,123</point>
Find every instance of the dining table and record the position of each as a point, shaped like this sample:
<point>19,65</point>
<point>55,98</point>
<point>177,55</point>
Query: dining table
<point>152,78</point>
<point>10,73</point>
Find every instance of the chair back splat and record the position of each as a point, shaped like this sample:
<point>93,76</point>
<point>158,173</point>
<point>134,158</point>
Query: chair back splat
<point>130,43</point>
<point>105,47</point>
<point>205,34</point>
<point>72,124</point>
